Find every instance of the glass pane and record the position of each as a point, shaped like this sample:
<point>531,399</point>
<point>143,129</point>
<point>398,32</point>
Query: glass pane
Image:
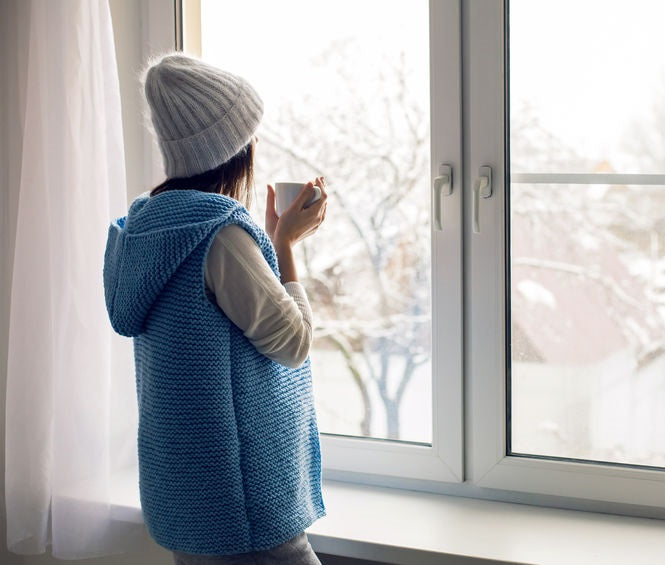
<point>348,98</point>
<point>587,86</point>
<point>587,279</point>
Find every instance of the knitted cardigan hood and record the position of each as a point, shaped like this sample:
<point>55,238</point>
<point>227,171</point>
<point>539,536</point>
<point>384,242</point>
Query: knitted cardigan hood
<point>228,443</point>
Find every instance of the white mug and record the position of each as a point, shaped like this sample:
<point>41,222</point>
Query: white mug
<point>287,192</point>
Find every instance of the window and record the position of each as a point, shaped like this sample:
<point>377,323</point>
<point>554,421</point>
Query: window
<point>586,232</point>
<point>350,99</point>
<point>489,287</point>
<point>334,90</point>
<point>563,348</point>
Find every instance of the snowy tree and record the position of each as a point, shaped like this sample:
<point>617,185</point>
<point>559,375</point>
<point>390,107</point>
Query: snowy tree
<point>367,271</point>
<point>609,237</point>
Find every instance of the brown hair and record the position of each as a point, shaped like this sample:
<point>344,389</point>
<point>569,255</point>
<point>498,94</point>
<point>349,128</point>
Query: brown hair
<point>234,178</point>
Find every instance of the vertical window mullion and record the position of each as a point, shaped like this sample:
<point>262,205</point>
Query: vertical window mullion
<point>484,127</point>
<point>447,249</point>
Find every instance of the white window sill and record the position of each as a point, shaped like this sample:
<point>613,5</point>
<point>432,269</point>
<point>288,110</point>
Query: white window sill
<point>411,527</point>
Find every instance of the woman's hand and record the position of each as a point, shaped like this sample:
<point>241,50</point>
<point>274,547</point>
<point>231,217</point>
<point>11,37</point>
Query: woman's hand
<point>296,222</point>
<point>271,213</point>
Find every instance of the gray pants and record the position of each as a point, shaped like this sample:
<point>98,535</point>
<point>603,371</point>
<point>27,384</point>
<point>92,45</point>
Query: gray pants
<point>296,551</point>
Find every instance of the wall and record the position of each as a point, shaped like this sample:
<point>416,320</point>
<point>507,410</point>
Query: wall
<point>127,22</point>
<point>126,15</point>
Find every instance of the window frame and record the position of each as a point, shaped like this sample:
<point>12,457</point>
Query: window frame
<point>468,456</point>
<point>389,462</point>
<point>486,119</point>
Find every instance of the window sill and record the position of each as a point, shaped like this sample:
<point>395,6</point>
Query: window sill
<point>407,527</point>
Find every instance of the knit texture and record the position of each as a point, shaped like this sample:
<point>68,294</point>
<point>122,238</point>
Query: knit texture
<point>202,115</point>
<point>228,443</point>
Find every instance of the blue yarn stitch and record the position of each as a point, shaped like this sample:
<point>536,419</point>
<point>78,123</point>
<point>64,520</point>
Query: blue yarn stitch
<point>228,443</point>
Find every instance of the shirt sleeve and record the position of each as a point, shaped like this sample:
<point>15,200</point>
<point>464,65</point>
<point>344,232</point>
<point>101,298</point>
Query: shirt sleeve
<point>276,318</point>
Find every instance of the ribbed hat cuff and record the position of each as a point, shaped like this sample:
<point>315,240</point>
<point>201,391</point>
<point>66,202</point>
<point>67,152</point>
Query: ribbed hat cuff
<point>207,149</point>
<point>216,144</point>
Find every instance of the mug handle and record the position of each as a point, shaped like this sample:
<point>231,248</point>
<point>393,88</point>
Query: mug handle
<point>314,198</point>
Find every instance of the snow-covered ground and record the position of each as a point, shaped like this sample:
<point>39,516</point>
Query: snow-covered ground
<point>339,405</point>
<point>609,411</point>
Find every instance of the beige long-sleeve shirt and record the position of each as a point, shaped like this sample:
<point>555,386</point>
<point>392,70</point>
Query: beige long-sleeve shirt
<point>276,318</point>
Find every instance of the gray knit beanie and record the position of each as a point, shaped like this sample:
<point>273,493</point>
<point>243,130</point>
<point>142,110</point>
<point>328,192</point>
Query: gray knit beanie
<point>202,116</point>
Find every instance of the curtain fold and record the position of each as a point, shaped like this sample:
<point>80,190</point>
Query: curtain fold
<point>71,408</point>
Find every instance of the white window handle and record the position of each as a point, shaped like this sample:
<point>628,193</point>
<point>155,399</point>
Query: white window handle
<point>482,187</point>
<point>443,186</point>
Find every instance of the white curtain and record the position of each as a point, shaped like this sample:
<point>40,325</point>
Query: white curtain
<point>71,405</point>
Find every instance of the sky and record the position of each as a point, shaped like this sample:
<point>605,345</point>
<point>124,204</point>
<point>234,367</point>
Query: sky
<point>271,44</point>
<point>590,68</point>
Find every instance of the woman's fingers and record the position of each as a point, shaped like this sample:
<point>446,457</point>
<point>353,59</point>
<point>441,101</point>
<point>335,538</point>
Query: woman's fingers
<point>321,183</point>
<point>320,202</point>
<point>298,222</point>
<point>271,213</point>
<point>270,198</point>
<point>305,194</point>
<point>314,208</point>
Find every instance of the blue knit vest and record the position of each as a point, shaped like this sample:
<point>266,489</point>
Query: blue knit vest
<point>228,444</point>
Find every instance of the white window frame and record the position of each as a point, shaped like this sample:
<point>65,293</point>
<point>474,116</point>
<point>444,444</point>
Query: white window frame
<point>489,464</point>
<point>160,33</point>
<point>382,461</point>
<point>390,462</point>
<point>468,456</point>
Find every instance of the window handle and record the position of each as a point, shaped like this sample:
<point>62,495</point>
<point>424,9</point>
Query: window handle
<point>482,187</point>
<point>443,186</point>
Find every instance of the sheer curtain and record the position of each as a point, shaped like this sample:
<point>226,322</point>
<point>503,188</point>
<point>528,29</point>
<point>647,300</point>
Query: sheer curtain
<point>71,405</point>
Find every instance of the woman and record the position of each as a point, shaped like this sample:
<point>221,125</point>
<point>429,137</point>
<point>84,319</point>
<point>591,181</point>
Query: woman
<point>228,444</point>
